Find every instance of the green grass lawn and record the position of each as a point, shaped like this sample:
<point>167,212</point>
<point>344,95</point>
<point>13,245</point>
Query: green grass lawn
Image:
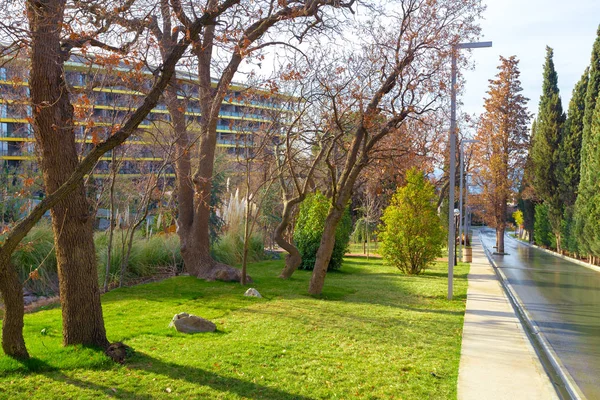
<point>373,334</point>
<point>357,248</point>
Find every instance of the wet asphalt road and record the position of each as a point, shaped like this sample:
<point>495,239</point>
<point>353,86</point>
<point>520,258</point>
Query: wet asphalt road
<point>563,299</point>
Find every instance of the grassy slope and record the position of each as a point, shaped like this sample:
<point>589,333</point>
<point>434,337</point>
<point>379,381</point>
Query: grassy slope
<point>374,334</point>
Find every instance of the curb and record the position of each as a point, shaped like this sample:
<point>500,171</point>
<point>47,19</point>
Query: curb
<point>571,259</point>
<point>562,380</point>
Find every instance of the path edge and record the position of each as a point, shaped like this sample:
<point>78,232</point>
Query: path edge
<point>555,254</point>
<point>566,386</point>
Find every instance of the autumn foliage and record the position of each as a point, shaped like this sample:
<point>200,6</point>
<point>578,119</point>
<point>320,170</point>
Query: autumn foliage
<point>500,152</point>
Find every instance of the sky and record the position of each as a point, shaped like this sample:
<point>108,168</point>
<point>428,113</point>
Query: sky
<point>523,28</point>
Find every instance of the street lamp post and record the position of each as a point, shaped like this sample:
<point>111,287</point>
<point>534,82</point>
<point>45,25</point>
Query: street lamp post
<point>460,196</point>
<point>452,140</point>
<point>466,216</point>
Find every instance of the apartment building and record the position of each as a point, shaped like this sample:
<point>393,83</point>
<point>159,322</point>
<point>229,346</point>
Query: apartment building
<point>103,97</point>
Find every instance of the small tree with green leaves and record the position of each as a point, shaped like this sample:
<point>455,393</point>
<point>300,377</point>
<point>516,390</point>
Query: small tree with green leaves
<point>412,235</point>
<point>519,221</point>
<point>309,229</point>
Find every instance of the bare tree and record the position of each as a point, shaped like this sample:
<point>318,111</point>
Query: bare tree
<point>397,73</point>
<point>240,35</point>
<point>63,173</point>
<point>299,157</point>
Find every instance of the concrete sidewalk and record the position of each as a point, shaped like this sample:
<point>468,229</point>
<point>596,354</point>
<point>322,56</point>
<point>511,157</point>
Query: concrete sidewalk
<point>497,360</point>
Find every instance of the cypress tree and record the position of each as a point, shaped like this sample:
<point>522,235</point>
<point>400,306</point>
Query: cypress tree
<point>545,153</point>
<point>570,161</point>
<point>527,198</point>
<point>591,229</point>
<point>543,231</point>
<point>588,168</point>
<point>570,147</point>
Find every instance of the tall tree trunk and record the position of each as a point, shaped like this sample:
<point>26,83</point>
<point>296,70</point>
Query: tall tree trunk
<point>244,277</point>
<point>193,199</point>
<point>11,288</point>
<point>71,219</point>
<point>500,238</point>
<point>317,280</point>
<point>194,230</point>
<point>293,259</point>
<point>111,219</point>
<point>247,216</point>
<point>202,262</point>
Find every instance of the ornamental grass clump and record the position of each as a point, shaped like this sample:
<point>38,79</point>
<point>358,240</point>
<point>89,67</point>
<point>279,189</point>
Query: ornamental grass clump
<point>412,235</point>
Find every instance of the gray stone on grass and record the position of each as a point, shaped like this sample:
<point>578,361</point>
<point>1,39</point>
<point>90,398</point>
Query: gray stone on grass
<point>187,323</point>
<point>252,293</point>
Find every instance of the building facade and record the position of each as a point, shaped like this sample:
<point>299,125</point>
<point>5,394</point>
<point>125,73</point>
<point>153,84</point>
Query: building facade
<point>103,97</point>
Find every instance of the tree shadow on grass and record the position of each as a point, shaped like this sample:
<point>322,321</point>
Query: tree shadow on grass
<point>146,363</point>
<point>35,365</point>
<point>198,376</point>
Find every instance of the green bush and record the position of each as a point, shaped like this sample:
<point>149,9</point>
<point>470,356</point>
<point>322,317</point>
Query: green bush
<point>309,229</point>
<point>412,234</point>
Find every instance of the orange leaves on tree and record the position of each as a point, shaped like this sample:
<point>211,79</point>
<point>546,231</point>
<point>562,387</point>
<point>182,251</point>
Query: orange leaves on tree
<point>272,87</point>
<point>291,75</point>
<point>27,182</point>
<point>95,138</point>
<point>34,275</point>
<point>114,129</point>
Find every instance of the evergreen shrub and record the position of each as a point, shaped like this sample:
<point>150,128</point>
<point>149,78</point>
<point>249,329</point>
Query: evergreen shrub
<point>309,230</point>
<point>412,235</point>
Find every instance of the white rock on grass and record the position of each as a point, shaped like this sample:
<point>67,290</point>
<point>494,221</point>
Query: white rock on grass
<point>187,323</point>
<point>252,293</point>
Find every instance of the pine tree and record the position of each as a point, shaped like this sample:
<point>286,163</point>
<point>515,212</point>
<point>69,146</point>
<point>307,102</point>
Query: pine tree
<point>570,161</point>
<point>545,152</point>
<point>588,169</point>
